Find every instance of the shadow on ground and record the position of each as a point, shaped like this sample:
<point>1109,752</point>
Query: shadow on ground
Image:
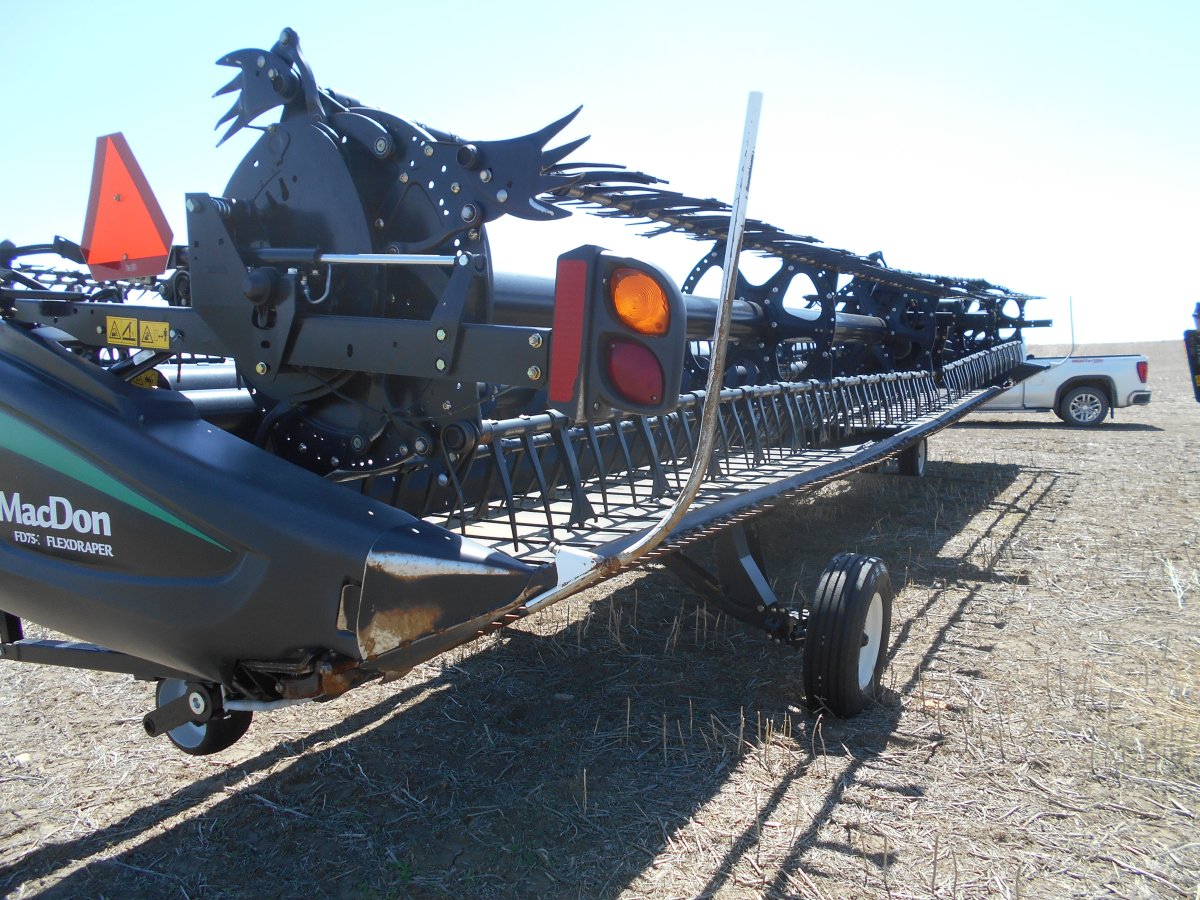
<point>564,762</point>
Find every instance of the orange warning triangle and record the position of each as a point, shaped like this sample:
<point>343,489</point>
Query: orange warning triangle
<point>125,234</point>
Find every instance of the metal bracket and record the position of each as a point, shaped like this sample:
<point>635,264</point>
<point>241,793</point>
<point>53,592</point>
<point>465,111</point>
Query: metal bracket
<point>741,588</point>
<point>196,705</point>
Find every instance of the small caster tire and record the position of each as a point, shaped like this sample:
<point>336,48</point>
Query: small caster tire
<point>912,459</point>
<point>846,639</point>
<point>200,739</point>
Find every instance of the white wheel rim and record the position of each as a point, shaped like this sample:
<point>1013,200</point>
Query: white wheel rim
<point>189,734</point>
<point>868,655</point>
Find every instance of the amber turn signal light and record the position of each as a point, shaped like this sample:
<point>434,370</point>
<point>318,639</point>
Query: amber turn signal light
<point>640,302</point>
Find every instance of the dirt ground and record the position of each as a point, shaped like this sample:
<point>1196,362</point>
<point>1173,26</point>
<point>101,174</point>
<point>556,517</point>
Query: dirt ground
<point>1040,735</point>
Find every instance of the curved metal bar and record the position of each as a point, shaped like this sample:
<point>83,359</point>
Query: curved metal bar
<point>712,402</point>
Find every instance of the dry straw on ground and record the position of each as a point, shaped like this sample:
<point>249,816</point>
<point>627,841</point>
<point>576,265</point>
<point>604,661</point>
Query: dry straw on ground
<point>1039,737</point>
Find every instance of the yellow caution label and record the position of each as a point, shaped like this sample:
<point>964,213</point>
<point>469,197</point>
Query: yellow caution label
<point>127,332</point>
<point>122,331</point>
<point>155,335</point>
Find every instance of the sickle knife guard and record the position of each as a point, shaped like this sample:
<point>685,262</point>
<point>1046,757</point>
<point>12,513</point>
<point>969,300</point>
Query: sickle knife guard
<point>319,447</point>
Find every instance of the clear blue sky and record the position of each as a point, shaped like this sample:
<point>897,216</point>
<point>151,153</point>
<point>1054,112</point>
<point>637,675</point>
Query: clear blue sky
<point>1048,146</point>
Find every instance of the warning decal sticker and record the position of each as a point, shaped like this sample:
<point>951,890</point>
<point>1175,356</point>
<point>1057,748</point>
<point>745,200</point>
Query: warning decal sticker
<point>126,332</point>
<point>155,335</point>
<point>122,331</point>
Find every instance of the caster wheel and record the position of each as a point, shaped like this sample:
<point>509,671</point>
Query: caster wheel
<point>912,460</point>
<point>213,736</point>
<point>846,641</point>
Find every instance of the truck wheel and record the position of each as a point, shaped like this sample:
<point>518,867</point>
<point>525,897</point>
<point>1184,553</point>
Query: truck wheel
<point>846,639</point>
<point>212,736</point>
<point>912,460</point>
<point>1086,405</point>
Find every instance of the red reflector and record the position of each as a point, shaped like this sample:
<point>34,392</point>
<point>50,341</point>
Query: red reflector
<point>566,351</point>
<point>635,372</point>
<point>1143,368</point>
<point>125,234</point>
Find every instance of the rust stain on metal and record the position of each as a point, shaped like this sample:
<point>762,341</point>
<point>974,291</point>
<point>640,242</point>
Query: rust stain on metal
<point>392,628</point>
<point>334,684</point>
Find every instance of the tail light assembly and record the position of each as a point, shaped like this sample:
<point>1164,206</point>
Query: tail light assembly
<point>619,337</point>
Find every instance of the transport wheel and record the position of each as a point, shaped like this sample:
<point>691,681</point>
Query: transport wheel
<point>912,460</point>
<point>212,736</point>
<point>845,644</point>
<point>1083,406</point>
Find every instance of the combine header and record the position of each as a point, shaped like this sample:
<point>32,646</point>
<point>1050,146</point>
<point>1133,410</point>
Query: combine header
<point>324,440</point>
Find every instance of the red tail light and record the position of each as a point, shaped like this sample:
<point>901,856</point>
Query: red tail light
<point>1143,368</point>
<point>634,371</point>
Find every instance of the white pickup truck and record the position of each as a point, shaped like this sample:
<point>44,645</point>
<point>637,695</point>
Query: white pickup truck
<point>1080,390</point>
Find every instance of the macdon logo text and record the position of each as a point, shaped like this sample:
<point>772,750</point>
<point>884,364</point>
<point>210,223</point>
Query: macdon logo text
<point>56,513</point>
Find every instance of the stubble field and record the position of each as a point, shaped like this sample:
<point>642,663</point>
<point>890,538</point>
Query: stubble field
<point>1039,736</point>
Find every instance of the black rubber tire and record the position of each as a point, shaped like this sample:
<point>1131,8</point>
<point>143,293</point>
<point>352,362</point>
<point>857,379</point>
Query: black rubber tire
<point>217,734</point>
<point>912,460</point>
<point>1085,406</point>
<point>842,670</point>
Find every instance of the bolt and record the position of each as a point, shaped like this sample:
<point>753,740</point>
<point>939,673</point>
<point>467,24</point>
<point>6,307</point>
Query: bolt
<point>303,447</point>
<point>262,368</point>
<point>99,329</point>
<point>334,461</point>
<point>404,178</point>
<point>761,608</point>
<point>174,334</point>
<point>272,74</point>
<point>421,446</point>
<point>485,176</point>
<point>357,442</point>
<point>443,479</point>
<point>464,260</point>
<point>402,449</point>
<point>473,234</point>
<point>535,340</point>
<point>440,334</point>
<point>196,703</point>
<point>379,223</point>
<point>117,198</point>
<point>441,364</point>
<point>502,195</point>
<point>534,373</point>
<point>453,457</point>
<point>262,61</point>
<point>446,405</point>
<point>455,187</point>
<point>429,149</point>
<point>469,214</point>
<point>381,146</point>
